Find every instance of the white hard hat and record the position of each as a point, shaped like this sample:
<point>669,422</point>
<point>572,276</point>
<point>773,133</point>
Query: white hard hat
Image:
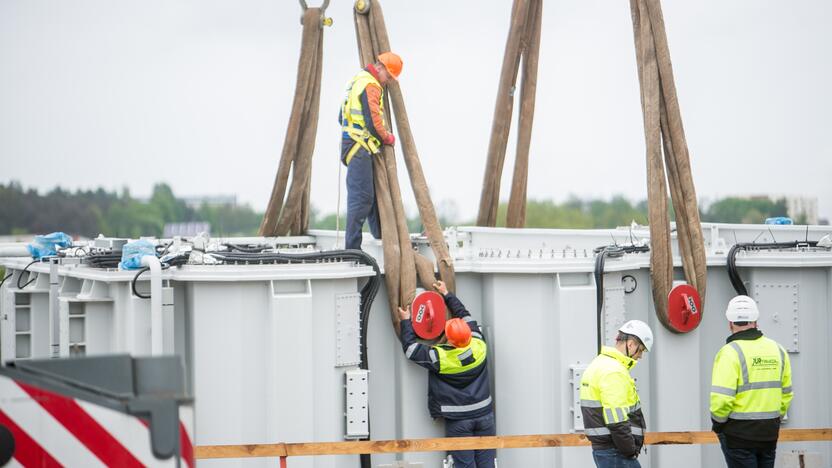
<point>639,329</point>
<point>742,309</point>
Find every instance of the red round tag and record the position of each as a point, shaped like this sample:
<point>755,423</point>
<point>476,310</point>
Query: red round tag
<point>428,314</point>
<point>684,308</point>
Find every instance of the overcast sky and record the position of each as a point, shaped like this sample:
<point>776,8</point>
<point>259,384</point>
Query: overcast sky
<point>197,93</point>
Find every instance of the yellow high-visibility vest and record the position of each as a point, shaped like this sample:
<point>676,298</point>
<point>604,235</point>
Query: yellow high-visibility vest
<point>752,380</point>
<point>457,360</point>
<point>607,386</point>
<point>352,114</point>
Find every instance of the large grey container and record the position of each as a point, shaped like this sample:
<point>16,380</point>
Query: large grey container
<point>270,348</point>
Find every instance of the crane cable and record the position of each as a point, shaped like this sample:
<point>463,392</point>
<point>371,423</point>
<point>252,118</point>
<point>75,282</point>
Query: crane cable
<point>665,136</point>
<point>402,266</point>
<point>522,44</point>
<point>291,215</point>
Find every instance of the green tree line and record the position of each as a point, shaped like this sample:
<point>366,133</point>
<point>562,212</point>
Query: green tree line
<point>92,212</point>
<point>88,213</point>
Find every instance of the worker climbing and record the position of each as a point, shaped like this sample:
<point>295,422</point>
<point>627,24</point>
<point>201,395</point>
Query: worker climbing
<point>751,389</point>
<point>610,404</point>
<point>458,388</point>
<point>363,133</point>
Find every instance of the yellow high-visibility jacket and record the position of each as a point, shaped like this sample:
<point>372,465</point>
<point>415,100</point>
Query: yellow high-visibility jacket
<point>356,121</point>
<point>751,388</point>
<point>610,404</point>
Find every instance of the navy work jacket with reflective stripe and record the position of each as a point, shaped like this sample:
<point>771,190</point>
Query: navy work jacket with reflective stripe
<point>454,395</point>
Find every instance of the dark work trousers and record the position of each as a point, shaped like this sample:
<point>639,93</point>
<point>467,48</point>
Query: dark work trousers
<point>747,458</point>
<point>361,196</point>
<point>612,458</point>
<point>482,426</point>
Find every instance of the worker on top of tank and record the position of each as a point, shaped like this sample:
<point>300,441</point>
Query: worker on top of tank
<point>362,135</point>
<point>458,388</point>
<point>751,389</point>
<point>610,406</point>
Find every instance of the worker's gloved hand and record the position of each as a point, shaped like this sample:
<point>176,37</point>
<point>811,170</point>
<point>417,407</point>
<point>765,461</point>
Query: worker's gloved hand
<point>389,140</point>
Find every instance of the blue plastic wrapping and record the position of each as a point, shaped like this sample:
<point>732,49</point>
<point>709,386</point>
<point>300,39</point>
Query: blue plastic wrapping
<point>779,220</point>
<point>132,253</point>
<point>46,246</point>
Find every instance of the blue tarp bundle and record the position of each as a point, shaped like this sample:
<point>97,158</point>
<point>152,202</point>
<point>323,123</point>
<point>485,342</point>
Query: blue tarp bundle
<point>132,253</point>
<point>46,246</point>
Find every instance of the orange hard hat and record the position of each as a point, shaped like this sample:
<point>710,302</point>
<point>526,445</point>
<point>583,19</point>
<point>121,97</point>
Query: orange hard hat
<point>392,62</point>
<point>458,332</point>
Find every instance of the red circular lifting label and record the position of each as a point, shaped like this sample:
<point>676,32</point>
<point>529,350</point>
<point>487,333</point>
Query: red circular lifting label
<point>428,315</point>
<point>684,308</point>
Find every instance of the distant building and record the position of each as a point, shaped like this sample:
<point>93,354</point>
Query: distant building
<point>210,200</point>
<point>186,229</point>
<point>797,208</point>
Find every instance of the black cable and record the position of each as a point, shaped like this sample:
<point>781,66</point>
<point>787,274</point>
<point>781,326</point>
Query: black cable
<point>103,259</point>
<point>24,271</point>
<point>246,248</point>
<point>733,274</point>
<point>176,261</point>
<point>133,283</point>
<point>4,279</point>
<point>731,260</point>
<point>599,293</point>
<point>601,253</point>
<point>164,249</point>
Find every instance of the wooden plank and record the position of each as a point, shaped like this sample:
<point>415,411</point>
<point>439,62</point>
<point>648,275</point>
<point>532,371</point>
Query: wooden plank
<point>472,443</point>
<point>803,435</point>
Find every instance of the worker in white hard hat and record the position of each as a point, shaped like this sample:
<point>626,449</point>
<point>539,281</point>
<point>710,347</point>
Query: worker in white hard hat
<point>610,405</point>
<point>751,389</point>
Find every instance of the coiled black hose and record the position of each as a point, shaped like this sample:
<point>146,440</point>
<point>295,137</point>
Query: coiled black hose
<point>25,269</point>
<point>179,260</point>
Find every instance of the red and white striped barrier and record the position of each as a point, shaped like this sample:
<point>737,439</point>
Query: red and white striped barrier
<point>51,430</point>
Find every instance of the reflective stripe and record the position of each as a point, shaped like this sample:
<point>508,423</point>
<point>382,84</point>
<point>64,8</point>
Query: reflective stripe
<point>723,390</point>
<point>743,365</point>
<point>411,349</point>
<point>602,431</point>
<point>476,334</point>
<point>608,415</point>
<point>720,419</point>
<point>787,389</point>
<point>759,385</point>
<point>782,362</point>
<point>591,404</point>
<point>620,413</point>
<point>756,415</point>
<point>468,318</point>
<point>464,408</point>
<point>465,355</point>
